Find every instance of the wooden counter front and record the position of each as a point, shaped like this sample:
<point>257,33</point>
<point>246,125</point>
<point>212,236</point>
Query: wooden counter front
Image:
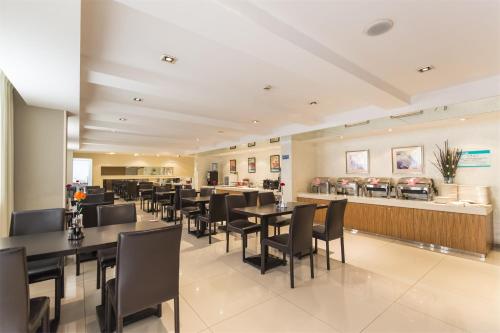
<point>467,232</point>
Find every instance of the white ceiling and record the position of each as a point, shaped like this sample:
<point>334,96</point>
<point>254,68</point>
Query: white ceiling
<point>229,50</point>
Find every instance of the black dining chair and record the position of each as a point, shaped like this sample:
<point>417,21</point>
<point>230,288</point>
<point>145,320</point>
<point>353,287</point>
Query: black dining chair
<point>251,198</point>
<point>238,223</point>
<point>206,191</point>
<point>189,210</point>
<point>140,283</point>
<point>216,213</point>
<point>19,313</point>
<point>108,215</point>
<point>132,190</point>
<point>332,229</point>
<point>38,221</point>
<point>296,242</point>
<point>176,204</point>
<point>268,198</point>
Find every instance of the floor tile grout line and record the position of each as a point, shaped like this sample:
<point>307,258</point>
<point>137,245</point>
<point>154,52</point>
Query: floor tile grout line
<point>196,313</point>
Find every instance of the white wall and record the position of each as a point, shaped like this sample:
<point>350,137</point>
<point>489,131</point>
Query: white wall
<point>39,156</point>
<point>468,135</point>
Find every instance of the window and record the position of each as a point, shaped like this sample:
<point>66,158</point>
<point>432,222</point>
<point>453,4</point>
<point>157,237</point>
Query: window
<point>82,171</point>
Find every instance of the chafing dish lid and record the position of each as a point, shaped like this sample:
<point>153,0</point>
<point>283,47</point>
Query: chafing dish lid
<point>377,181</point>
<point>415,181</point>
<point>348,180</point>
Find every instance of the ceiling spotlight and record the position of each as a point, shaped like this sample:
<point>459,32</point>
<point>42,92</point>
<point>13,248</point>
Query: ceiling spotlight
<point>122,119</point>
<point>341,137</point>
<point>463,119</point>
<point>379,27</point>
<point>389,130</point>
<point>111,153</point>
<point>137,99</point>
<point>313,103</point>
<point>157,155</point>
<point>178,155</point>
<point>268,87</point>
<point>197,139</point>
<point>255,121</point>
<point>168,58</point>
<point>136,154</point>
<point>425,69</point>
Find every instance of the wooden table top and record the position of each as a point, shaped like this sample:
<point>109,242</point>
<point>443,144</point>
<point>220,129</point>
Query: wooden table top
<point>272,209</point>
<point>199,199</point>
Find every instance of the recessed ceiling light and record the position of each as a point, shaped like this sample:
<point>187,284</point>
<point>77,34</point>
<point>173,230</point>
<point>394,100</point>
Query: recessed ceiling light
<point>137,99</point>
<point>379,27</point>
<point>136,154</point>
<point>268,87</point>
<point>341,137</point>
<point>178,155</point>
<point>168,58</point>
<point>255,121</point>
<point>389,130</point>
<point>425,69</point>
<point>463,119</point>
<point>111,153</point>
<point>197,139</point>
<point>313,103</point>
<point>122,119</point>
<point>157,155</point>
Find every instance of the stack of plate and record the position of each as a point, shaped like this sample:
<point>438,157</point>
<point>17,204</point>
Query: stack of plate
<point>449,190</point>
<point>474,194</point>
<point>443,199</point>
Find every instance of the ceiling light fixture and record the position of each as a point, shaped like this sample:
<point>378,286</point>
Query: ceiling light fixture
<point>425,69</point>
<point>197,139</point>
<point>389,130</point>
<point>111,153</point>
<point>137,99</point>
<point>178,155</point>
<point>157,155</point>
<point>366,122</point>
<point>168,58</point>
<point>313,103</point>
<point>379,27</point>
<point>136,154</point>
<point>411,114</point>
<point>463,119</point>
<point>255,121</point>
<point>341,137</point>
<point>122,119</point>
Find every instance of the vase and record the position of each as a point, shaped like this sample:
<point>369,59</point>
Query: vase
<point>449,180</point>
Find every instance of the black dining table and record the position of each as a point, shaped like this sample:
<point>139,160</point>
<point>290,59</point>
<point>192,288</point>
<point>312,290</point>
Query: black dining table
<point>201,201</point>
<point>264,213</point>
<point>56,244</point>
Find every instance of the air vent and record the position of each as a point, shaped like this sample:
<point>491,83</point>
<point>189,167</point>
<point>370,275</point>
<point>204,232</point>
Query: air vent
<point>411,114</point>
<point>357,124</point>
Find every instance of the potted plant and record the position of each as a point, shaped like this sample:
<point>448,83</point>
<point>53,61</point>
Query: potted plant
<point>447,161</point>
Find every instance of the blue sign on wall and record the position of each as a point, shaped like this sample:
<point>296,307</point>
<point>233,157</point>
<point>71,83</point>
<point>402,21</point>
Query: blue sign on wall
<point>285,157</point>
<point>475,159</point>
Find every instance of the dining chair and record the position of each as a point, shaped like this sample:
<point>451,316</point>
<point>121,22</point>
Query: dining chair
<point>19,313</point>
<point>238,223</point>
<point>296,242</point>
<point>206,191</point>
<point>106,258</point>
<point>38,221</point>
<point>189,210</point>
<point>332,229</point>
<point>139,283</point>
<point>175,205</point>
<point>268,198</point>
<point>216,213</point>
<point>251,198</point>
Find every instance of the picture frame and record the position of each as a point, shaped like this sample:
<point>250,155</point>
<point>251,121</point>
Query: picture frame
<point>408,160</point>
<point>232,147</point>
<point>274,163</point>
<point>252,165</point>
<point>232,166</point>
<point>357,162</point>
<point>274,140</point>
<point>251,144</point>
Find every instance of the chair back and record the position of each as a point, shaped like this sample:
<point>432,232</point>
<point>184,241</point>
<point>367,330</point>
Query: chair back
<point>94,198</point>
<point>177,196</point>
<point>217,207</point>
<point>116,214</point>
<point>206,191</point>
<point>188,186</point>
<point>95,190</point>
<point>142,283</point>
<point>235,201</point>
<point>145,185</point>
<point>14,304</point>
<point>109,198</point>
<point>36,221</point>
<point>267,198</point>
<point>132,189</point>
<point>334,223</point>
<point>300,234</point>
<point>186,193</point>
<point>251,198</point>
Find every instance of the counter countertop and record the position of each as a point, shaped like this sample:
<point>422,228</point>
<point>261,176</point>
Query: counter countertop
<point>241,188</point>
<point>462,208</point>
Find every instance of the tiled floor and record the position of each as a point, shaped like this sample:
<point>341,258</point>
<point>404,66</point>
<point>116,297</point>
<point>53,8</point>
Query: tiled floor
<point>384,287</point>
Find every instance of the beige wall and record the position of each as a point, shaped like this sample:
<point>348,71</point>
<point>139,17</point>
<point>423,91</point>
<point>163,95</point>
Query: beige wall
<point>39,156</point>
<point>183,166</point>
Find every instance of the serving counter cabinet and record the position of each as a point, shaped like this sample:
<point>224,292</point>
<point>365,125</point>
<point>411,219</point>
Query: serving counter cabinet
<point>464,228</point>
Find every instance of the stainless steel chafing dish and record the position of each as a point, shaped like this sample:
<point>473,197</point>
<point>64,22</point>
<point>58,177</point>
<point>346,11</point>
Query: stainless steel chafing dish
<point>415,188</point>
<point>377,187</point>
<point>348,185</point>
<point>322,185</point>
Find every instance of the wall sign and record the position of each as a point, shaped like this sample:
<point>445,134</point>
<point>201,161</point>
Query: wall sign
<point>285,157</point>
<point>475,159</point>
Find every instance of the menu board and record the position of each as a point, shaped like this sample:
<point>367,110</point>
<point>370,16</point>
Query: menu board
<point>475,159</point>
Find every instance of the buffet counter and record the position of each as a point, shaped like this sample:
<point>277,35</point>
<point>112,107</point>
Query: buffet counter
<point>238,189</point>
<point>465,227</point>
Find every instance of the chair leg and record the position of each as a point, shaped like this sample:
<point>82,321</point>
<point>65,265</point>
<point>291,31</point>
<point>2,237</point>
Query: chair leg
<point>263,260</point>
<point>311,262</point>
<point>327,255</point>
<point>279,230</point>
<point>274,230</point>
<point>62,280</point>
<point>158,311</point>
<point>227,241</point>
<point>342,249</point>
<point>107,315</point>
<point>209,233</point>
<point>103,284</point>
<point>98,282</point>
<point>244,245</point>
<point>46,321</point>
<point>119,324</point>
<point>315,245</point>
<point>189,223</point>
<point>77,265</point>
<point>176,314</point>
<point>57,310</point>
<point>284,259</point>
<point>292,284</point>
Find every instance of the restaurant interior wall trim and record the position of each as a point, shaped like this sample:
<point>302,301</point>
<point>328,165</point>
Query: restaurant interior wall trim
<point>39,155</point>
<point>473,134</point>
<point>183,165</point>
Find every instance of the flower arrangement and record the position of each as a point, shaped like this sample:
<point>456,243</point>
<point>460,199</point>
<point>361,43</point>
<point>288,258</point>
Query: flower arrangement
<point>79,197</point>
<point>447,161</point>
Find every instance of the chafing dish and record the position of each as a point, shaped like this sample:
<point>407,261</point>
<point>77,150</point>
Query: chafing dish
<point>322,185</point>
<point>348,185</point>
<point>377,187</point>
<point>415,188</point>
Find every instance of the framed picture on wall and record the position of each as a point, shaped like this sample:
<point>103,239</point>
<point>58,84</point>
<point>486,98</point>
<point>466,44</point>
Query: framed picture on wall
<point>357,161</point>
<point>274,163</point>
<point>232,166</point>
<point>274,140</point>
<point>407,160</point>
<point>252,165</point>
<point>251,144</point>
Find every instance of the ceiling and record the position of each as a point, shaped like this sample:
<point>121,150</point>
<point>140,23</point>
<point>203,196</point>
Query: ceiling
<point>227,51</point>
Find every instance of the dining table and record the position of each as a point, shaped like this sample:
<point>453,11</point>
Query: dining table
<point>56,244</point>
<point>264,213</point>
<point>201,201</point>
